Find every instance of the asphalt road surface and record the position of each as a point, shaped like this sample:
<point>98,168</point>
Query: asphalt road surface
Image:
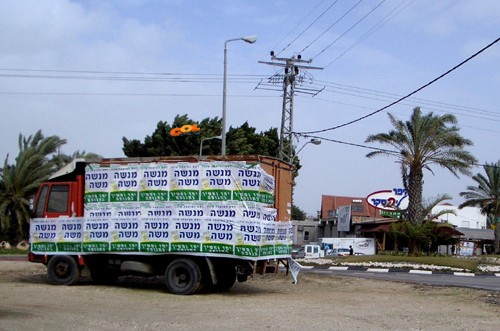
<point>486,282</point>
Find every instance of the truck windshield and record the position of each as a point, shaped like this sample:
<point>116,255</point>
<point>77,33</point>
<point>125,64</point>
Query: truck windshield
<point>58,199</point>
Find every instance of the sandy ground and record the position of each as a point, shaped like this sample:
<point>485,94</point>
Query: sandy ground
<point>317,302</point>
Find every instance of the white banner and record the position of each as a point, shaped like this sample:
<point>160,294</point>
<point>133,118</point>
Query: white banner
<point>219,208</point>
<point>231,229</point>
<point>344,218</point>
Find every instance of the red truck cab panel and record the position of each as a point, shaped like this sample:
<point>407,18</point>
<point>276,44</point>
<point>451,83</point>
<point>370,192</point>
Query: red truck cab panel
<point>56,199</point>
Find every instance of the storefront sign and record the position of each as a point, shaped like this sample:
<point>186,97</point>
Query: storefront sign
<point>390,200</point>
<point>185,129</point>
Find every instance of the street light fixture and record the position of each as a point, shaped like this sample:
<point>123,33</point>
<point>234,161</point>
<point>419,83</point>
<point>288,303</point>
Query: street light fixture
<point>250,40</point>
<point>312,141</point>
<point>201,142</point>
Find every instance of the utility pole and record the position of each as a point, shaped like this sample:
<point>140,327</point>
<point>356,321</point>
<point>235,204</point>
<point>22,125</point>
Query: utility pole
<point>289,79</point>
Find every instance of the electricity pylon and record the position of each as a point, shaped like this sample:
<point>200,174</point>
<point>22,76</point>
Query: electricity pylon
<point>289,79</point>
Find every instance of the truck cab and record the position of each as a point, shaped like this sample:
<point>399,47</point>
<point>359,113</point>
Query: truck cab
<point>62,194</point>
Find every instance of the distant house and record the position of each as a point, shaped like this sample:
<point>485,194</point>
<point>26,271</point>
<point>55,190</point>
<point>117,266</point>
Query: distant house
<point>467,217</point>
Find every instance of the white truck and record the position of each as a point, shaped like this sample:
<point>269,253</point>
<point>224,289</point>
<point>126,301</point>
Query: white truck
<point>341,246</point>
<point>201,223</point>
<point>337,247</point>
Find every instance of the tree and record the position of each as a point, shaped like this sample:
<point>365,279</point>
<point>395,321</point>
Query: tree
<point>21,180</point>
<point>60,160</point>
<point>242,140</point>
<point>423,141</point>
<point>162,143</point>
<point>486,195</point>
<point>425,233</point>
<point>298,214</point>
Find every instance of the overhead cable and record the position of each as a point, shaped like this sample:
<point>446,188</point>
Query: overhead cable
<point>362,90</point>
<point>308,27</point>
<point>466,111</point>
<point>352,27</point>
<point>406,96</point>
<point>331,26</point>
<point>394,152</point>
<point>374,28</point>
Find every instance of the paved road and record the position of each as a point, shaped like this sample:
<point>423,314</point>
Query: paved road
<point>487,282</point>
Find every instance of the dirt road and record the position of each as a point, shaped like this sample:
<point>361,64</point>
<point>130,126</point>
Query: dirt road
<point>317,302</point>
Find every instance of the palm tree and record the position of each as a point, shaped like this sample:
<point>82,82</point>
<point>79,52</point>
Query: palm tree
<point>60,160</point>
<point>486,195</point>
<point>20,181</point>
<point>423,141</point>
<point>424,232</point>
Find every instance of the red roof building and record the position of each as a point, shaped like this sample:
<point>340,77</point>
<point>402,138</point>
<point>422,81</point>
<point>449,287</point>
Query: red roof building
<point>361,211</point>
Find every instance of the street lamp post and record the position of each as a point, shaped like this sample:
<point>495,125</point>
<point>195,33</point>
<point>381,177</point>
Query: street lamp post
<point>202,140</point>
<point>250,40</point>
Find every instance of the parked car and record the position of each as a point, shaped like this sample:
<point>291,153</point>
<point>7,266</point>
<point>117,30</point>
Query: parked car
<point>301,253</point>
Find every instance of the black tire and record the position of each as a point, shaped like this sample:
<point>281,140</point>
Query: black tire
<point>226,277</point>
<point>63,270</point>
<point>104,276</point>
<point>242,278</point>
<point>183,276</point>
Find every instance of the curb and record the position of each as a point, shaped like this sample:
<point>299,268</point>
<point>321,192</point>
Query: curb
<point>400,270</point>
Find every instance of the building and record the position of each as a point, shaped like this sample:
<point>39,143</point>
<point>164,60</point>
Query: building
<point>325,226</point>
<point>361,211</point>
<point>467,217</point>
<point>468,225</point>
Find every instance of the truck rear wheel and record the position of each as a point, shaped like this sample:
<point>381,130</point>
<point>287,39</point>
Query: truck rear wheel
<point>63,270</point>
<point>226,277</point>
<point>183,276</point>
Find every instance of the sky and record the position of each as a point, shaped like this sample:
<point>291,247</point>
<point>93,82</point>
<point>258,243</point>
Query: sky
<point>93,72</point>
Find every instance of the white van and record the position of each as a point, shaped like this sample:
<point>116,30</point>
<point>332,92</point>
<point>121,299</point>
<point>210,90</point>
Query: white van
<point>310,252</point>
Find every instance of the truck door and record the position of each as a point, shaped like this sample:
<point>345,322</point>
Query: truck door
<point>55,200</point>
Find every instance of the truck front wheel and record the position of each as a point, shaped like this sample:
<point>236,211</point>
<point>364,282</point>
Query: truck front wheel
<point>183,276</point>
<point>63,270</point>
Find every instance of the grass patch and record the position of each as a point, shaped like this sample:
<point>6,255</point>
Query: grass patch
<point>13,251</point>
<point>445,261</point>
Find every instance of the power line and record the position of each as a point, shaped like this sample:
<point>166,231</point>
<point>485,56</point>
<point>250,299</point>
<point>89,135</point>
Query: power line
<point>352,144</point>
<point>374,28</point>
<point>352,27</point>
<point>331,26</point>
<point>180,78</point>
<point>406,96</point>
<point>377,148</point>
<point>396,113</point>
<point>100,72</point>
<point>357,89</point>
<point>176,77</point>
<point>429,105</point>
<point>131,94</point>
<point>309,26</point>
